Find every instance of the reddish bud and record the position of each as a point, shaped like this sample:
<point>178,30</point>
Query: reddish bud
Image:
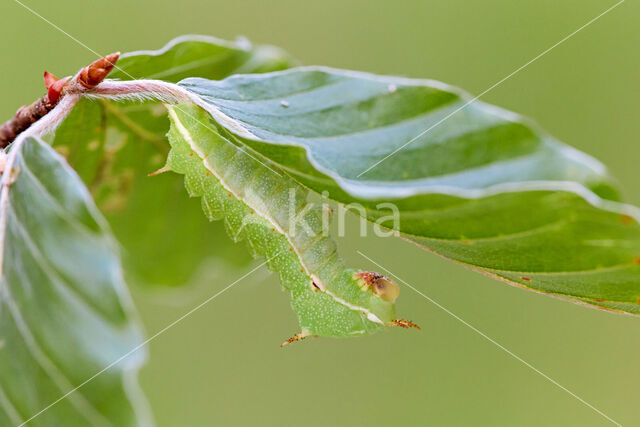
<point>55,89</point>
<point>92,75</point>
<point>49,79</point>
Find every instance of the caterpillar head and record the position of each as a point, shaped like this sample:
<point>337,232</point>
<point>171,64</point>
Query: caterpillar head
<point>380,285</point>
<point>383,293</point>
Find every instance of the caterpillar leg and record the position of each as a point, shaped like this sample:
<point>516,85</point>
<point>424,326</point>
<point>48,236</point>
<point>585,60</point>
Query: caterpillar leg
<point>297,337</point>
<point>405,324</point>
<point>163,169</point>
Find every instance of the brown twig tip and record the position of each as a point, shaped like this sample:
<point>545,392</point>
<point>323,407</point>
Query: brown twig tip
<point>92,75</point>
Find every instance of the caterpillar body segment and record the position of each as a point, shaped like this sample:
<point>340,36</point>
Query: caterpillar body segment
<point>264,207</point>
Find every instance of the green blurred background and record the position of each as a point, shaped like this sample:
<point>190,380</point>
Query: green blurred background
<point>223,365</point>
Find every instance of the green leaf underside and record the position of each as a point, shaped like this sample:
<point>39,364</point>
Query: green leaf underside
<point>65,312</point>
<point>483,186</point>
<point>114,145</point>
<point>256,204</point>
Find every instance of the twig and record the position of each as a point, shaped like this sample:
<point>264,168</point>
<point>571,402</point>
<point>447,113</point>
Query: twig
<point>88,78</point>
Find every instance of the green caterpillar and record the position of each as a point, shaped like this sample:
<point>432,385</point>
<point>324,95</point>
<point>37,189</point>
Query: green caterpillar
<point>271,212</point>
